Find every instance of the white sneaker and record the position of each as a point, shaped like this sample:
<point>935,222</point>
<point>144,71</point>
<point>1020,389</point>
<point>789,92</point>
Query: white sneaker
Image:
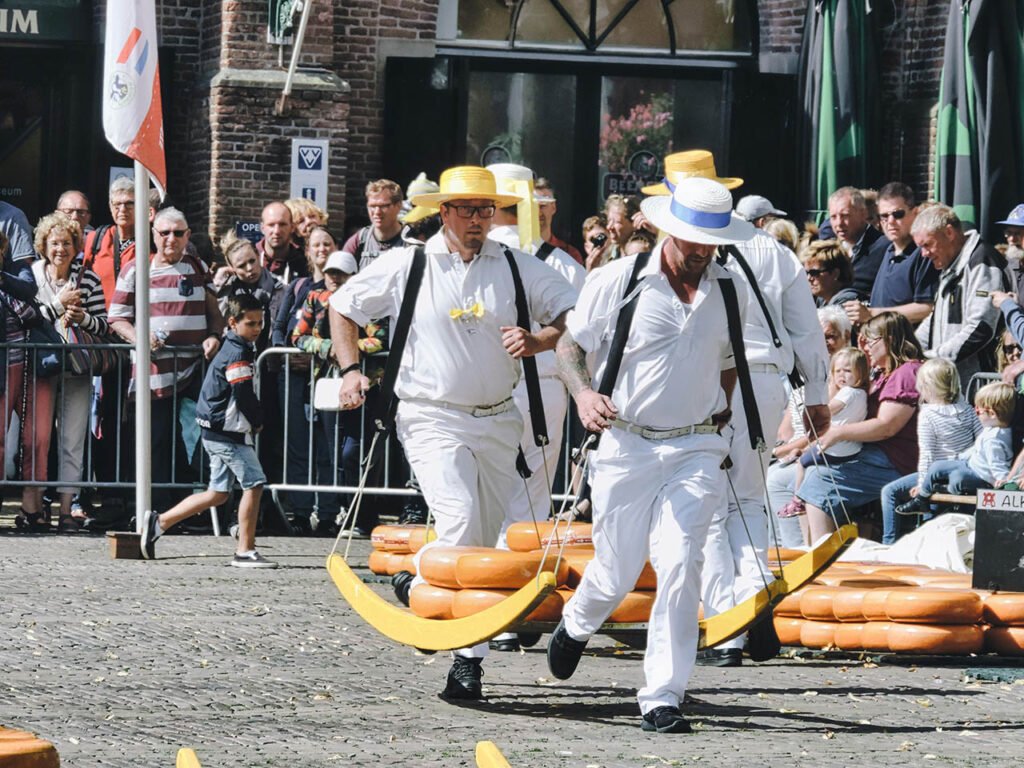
<point>252,560</point>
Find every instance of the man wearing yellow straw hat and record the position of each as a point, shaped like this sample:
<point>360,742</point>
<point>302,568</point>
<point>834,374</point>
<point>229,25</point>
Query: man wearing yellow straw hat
<point>518,227</point>
<point>781,334</point>
<point>456,417</point>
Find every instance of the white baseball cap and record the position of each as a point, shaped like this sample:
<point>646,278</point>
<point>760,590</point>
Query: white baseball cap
<point>342,262</point>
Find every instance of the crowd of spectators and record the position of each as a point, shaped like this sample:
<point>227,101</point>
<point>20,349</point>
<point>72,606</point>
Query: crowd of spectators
<point>918,312</point>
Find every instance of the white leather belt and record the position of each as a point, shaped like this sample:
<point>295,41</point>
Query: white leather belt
<point>478,411</point>
<point>763,368</point>
<point>704,428</point>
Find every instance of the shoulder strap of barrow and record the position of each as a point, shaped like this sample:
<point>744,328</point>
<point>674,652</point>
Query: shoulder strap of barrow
<point>732,313</point>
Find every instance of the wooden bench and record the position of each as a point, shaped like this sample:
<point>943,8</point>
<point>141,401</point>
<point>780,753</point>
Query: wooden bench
<point>21,749</point>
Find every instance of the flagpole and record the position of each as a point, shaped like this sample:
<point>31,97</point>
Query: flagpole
<point>143,409</point>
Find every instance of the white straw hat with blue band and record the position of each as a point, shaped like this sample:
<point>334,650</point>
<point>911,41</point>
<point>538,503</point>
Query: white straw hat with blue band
<point>698,211</point>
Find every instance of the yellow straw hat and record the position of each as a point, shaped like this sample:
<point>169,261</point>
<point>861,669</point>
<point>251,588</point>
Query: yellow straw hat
<point>699,163</point>
<point>466,182</point>
<point>421,185</point>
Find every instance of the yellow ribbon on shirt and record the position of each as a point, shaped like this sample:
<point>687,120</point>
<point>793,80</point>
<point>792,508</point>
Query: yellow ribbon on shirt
<point>477,311</point>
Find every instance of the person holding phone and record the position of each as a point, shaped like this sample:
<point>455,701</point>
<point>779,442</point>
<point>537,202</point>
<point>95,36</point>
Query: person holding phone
<point>597,245</point>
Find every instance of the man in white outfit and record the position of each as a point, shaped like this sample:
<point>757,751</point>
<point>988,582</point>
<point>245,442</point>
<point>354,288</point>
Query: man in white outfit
<point>656,475</point>
<point>456,417</point>
<point>532,498</point>
<point>735,558</point>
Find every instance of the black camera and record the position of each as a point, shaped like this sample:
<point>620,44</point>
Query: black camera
<point>599,239</point>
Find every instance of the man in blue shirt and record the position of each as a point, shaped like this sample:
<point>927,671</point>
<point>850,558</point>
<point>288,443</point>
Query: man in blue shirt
<point>906,280</point>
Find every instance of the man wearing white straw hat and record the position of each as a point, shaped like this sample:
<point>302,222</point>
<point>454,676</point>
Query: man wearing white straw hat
<point>656,475</point>
<point>532,498</point>
<point>456,417</point>
<point>781,335</point>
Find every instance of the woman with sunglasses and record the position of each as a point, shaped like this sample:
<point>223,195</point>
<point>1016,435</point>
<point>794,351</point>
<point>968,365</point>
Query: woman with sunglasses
<point>888,434</point>
<point>829,273</point>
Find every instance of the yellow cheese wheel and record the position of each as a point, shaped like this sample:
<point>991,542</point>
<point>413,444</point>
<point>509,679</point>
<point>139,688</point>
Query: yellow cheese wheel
<point>502,569</point>
<point>420,537</point>
<point>816,603</point>
<point>1006,641</point>
<point>377,536</point>
<point>635,606</point>
<point>849,636</point>
<point>872,581</point>
<point>956,639</point>
<point>873,605</point>
<point>790,605</point>
<point>437,564</point>
<point>466,602</point>
<point>21,749</point>
<point>432,602</point>
<point>404,563</point>
<point>848,604</point>
<point>523,537</point>
<point>818,634</point>
<point>1004,608</point>
<point>924,605</point>
<point>874,635</point>
<point>577,557</point>
<point>788,629</point>
<point>379,562</point>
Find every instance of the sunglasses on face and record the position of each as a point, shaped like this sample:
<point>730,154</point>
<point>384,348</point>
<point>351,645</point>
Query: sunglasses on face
<point>168,232</point>
<point>1011,349</point>
<point>897,215</point>
<point>467,211</point>
<point>817,272</point>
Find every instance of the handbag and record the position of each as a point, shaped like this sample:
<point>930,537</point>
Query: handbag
<point>85,358</point>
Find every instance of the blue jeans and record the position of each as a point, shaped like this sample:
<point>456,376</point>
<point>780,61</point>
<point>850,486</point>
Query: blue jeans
<point>955,474</point>
<point>893,494</point>
<point>851,484</point>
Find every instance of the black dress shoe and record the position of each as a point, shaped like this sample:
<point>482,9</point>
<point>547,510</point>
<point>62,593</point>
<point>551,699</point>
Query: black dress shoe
<point>464,680</point>
<point>564,653</point>
<point>916,506</point>
<point>529,639</point>
<point>402,582</point>
<point>504,644</point>
<point>720,657</point>
<point>762,639</point>
<point>665,720</point>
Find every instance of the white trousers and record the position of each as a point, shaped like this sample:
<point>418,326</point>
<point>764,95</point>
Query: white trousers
<point>735,556</point>
<point>532,499</point>
<point>652,499</point>
<point>466,467</point>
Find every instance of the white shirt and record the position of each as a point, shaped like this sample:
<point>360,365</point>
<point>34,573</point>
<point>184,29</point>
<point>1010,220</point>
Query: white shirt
<point>460,361</point>
<point>670,374</point>
<point>787,294</point>
<point>563,264</point>
<point>855,409</point>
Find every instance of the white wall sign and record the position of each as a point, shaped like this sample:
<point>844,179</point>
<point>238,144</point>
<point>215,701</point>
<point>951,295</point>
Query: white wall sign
<point>309,169</point>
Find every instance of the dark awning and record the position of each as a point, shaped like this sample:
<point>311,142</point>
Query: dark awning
<point>45,20</point>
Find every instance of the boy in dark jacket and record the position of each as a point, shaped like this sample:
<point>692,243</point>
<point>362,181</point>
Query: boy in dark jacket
<point>230,414</point>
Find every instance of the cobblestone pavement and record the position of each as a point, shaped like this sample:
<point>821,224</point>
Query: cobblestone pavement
<point>119,663</point>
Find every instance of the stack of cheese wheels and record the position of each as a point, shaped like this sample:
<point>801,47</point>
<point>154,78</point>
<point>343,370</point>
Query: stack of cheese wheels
<point>525,537</point>
<point>898,608</point>
<point>394,546</point>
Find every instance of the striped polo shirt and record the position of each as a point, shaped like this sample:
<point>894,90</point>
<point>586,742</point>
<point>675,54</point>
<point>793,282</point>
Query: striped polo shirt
<point>177,305</point>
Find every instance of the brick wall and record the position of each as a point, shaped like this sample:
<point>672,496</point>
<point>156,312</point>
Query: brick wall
<point>359,28</point>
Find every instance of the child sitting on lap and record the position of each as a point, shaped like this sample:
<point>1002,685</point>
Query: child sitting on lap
<point>848,404</point>
<point>979,466</point>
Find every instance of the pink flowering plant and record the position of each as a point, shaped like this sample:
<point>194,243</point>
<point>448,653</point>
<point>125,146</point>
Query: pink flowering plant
<point>648,126</point>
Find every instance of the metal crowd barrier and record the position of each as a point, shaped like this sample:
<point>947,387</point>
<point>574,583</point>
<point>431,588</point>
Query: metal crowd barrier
<point>278,362</point>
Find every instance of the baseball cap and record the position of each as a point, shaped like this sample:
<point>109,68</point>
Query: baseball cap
<point>753,207</point>
<point>343,262</point>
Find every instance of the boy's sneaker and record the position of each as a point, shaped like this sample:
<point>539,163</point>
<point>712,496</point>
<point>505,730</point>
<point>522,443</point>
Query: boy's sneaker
<point>252,560</point>
<point>916,506</point>
<point>150,532</point>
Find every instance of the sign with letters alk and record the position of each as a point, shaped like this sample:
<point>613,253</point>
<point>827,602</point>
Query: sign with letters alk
<point>309,170</point>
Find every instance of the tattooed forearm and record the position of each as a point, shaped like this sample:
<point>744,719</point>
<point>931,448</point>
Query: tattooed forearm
<point>572,364</point>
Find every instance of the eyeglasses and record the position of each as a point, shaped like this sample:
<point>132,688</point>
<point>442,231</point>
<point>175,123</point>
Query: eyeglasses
<point>817,272</point>
<point>468,211</point>
<point>897,215</point>
<point>74,211</point>
<point>168,232</point>
<point>869,340</point>
<point>124,204</point>
<point>382,206</point>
